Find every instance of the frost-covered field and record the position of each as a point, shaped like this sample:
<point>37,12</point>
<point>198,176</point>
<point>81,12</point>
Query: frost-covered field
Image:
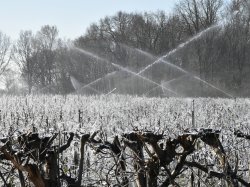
<point>115,115</point>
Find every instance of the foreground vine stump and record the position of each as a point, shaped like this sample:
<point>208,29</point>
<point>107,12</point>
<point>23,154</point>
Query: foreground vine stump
<point>145,158</point>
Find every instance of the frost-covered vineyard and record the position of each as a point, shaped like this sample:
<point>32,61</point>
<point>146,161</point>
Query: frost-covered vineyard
<point>115,114</point>
<point>112,118</point>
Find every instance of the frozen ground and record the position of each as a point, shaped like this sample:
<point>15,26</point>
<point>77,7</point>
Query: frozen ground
<point>116,113</point>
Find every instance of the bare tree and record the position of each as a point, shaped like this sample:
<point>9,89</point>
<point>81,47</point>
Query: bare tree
<point>5,52</point>
<point>46,41</point>
<point>198,15</point>
<point>24,50</point>
<point>47,37</point>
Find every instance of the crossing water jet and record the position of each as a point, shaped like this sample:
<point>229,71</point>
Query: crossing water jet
<point>182,45</point>
<point>166,82</point>
<point>144,53</point>
<point>194,76</point>
<point>97,80</point>
<point>161,59</point>
<point>122,68</point>
<point>110,92</point>
<point>78,87</point>
<point>208,84</point>
<point>144,78</point>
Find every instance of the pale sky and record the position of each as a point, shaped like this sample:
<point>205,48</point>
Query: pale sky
<point>71,17</point>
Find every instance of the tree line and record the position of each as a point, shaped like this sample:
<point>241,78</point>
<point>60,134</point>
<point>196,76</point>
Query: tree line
<point>134,40</point>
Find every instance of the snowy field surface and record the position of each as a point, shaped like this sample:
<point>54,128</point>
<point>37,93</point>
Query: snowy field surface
<point>115,114</point>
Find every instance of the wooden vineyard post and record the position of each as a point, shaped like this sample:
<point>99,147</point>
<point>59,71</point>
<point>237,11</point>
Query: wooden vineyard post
<point>80,118</point>
<point>192,179</point>
<point>193,120</point>
<point>58,159</point>
<point>199,176</point>
<point>248,166</point>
